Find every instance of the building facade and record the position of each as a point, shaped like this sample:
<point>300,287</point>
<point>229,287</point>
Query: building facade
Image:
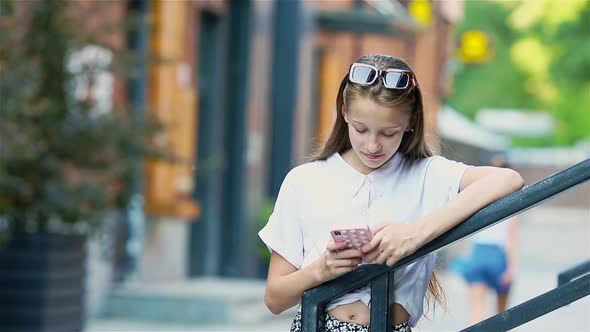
<point>247,89</point>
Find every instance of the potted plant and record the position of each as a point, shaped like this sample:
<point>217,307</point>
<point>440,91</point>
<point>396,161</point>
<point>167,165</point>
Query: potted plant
<point>64,164</point>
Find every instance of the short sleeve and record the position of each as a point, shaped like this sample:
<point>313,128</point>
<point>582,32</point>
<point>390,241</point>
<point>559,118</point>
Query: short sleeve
<point>282,233</point>
<point>443,176</point>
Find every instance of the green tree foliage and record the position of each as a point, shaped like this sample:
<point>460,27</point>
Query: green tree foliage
<point>561,32</point>
<point>541,62</point>
<point>61,162</point>
<point>497,83</point>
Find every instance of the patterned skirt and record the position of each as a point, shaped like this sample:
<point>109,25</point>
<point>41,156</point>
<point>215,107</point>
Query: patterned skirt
<point>334,325</point>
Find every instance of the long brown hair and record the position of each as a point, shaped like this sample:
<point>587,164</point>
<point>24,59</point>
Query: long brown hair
<point>413,144</point>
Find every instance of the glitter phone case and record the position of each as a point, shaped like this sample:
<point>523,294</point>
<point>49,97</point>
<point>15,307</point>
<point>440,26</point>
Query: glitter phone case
<point>354,236</point>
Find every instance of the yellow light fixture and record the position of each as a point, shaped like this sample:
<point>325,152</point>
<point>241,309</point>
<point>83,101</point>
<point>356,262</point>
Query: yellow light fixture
<point>421,11</point>
<point>475,47</point>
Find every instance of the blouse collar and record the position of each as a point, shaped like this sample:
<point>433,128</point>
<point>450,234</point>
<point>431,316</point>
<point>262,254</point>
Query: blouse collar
<point>356,180</point>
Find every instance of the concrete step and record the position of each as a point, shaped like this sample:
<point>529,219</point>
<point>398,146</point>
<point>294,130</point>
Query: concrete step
<point>196,301</point>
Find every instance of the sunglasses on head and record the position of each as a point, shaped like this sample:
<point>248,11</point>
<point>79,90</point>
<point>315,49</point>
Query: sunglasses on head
<point>393,78</point>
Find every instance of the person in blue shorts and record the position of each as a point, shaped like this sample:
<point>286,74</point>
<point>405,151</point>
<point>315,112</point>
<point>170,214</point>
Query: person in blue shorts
<point>492,266</point>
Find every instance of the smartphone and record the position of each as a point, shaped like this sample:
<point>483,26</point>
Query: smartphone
<point>354,236</point>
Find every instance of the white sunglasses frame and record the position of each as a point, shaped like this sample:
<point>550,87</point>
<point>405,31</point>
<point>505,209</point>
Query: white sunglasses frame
<point>380,73</point>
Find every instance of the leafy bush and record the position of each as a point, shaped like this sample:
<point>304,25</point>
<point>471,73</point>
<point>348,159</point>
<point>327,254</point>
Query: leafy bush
<point>64,163</point>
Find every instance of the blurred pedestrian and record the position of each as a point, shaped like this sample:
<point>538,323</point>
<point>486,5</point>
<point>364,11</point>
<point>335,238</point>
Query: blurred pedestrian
<point>374,169</point>
<point>492,265</point>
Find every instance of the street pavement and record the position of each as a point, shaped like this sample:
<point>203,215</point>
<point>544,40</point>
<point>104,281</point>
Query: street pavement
<point>551,240</point>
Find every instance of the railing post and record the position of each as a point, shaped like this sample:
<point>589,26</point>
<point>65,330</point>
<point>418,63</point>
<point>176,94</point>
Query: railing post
<point>310,308</point>
<point>381,300</point>
<point>314,300</point>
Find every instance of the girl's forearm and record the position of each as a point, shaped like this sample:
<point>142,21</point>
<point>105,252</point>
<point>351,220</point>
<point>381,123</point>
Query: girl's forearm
<point>480,193</point>
<point>285,292</point>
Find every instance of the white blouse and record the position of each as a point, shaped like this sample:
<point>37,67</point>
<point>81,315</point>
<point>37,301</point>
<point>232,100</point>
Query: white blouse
<point>316,195</point>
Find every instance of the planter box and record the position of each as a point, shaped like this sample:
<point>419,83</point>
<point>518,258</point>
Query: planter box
<point>42,283</point>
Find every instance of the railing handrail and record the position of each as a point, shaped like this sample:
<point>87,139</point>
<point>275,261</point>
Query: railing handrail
<point>495,212</point>
<point>543,304</point>
<point>570,274</point>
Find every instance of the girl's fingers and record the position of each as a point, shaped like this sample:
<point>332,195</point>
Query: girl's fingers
<point>372,257</point>
<point>372,254</point>
<point>372,245</point>
<point>339,263</point>
<point>349,253</point>
<point>390,261</point>
<point>349,262</point>
<point>377,237</point>
<point>333,246</point>
<point>382,258</point>
<point>343,269</point>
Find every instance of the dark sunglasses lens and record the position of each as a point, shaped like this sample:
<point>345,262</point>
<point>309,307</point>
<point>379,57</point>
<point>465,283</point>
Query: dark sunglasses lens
<point>395,80</point>
<point>363,75</point>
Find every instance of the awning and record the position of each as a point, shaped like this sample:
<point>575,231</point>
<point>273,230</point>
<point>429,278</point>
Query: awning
<point>456,126</point>
<point>363,20</point>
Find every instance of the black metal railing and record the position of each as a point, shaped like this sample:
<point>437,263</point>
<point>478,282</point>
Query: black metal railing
<point>568,275</point>
<point>566,292</point>
<point>380,277</point>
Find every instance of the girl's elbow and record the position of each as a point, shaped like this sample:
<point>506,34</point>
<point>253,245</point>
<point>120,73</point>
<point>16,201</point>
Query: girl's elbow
<point>271,305</point>
<point>513,179</point>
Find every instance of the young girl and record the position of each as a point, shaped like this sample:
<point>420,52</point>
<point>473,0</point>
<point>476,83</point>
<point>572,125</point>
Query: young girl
<point>374,169</point>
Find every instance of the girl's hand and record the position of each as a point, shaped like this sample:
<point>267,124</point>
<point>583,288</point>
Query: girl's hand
<point>391,242</point>
<point>337,260</point>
